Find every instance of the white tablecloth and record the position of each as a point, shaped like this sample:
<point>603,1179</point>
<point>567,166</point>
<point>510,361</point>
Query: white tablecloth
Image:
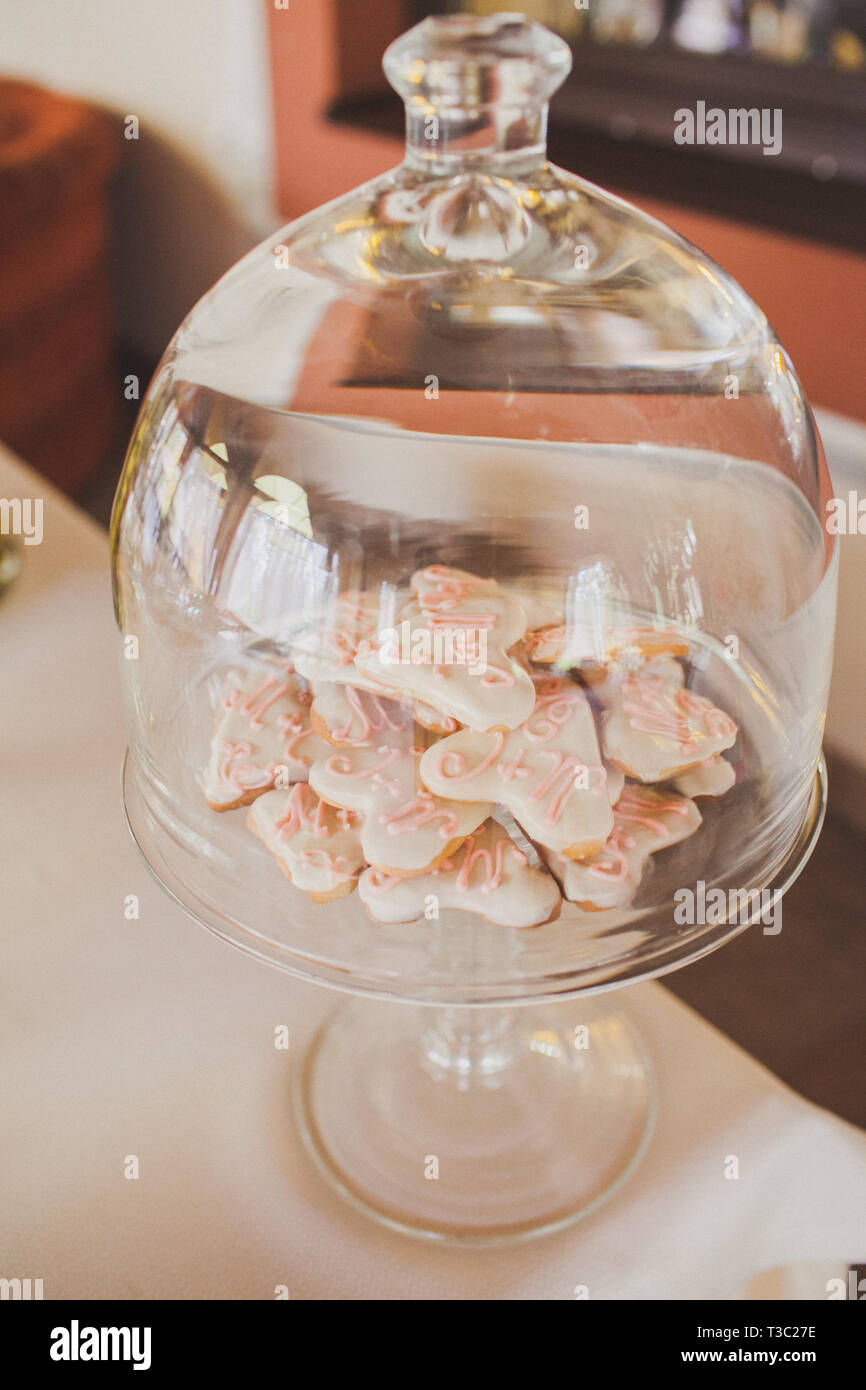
<point>153,1038</point>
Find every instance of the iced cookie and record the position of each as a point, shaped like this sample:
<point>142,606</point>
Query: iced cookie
<point>450,648</point>
<point>406,830</point>
<point>542,603</point>
<point>263,738</point>
<point>577,646</point>
<point>317,847</point>
<point>645,821</point>
<point>548,772</point>
<point>712,778</point>
<point>655,729</point>
<point>358,717</point>
<point>345,714</point>
<point>440,587</point>
<point>489,875</point>
<point>327,650</point>
<point>433,719</point>
<point>615,783</point>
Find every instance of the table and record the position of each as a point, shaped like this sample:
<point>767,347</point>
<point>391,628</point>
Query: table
<point>151,1038</point>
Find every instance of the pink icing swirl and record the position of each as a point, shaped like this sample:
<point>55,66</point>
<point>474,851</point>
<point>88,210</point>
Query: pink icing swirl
<point>566,771</point>
<point>543,637</point>
<point>295,726</point>
<point>652,708</point>
<point>452,757</point>
<point>336,866</point>
<point>420,811</point>
<point>243,776</point>
<point>648,713</point>
<point>304,811</point>
<point>341,765</point>
<point>716,723</point>
<point>497,675</point>
<point>439,587</point>
<point>613,866</point>
<point>256,704</point>
<point>553,709</point>
<point>494,863</point>
<point>379,882</point>
<point>483,622</point>
<point>516,768</point>
<point>612,862</point>
<point>338,644</point>
<point>632,809</point>
<point>372,719</point>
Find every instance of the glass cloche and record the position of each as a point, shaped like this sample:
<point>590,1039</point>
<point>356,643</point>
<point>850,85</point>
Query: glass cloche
<point>475,601</point>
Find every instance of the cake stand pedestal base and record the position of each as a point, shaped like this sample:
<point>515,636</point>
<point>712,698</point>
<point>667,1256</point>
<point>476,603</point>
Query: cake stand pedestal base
<point>476,1124</point>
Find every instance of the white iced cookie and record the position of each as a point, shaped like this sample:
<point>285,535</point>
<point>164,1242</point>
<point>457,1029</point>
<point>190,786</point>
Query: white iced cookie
<point>645,821</point>
<point>489,875</point>
<point>406,830</point>
<point>326,654</point>
<point>317,847</point>
<point>543,604</point>
<point>441,587</point>
<point>615,783</point>
<point>433,719</point>
<point>548,772</point>
<point>345,714</point>
<point>712,778</point>
<point>326,651</point>
<point>263,737</point>
<point>578,646</point>
<point>450,648</point>
<point>355,716</point>
<point>655,729</point>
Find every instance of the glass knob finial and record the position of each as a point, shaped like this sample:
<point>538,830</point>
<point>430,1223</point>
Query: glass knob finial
<point>475,62</point>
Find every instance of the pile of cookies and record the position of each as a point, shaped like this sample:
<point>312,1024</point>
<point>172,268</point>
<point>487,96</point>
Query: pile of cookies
<point>495,784</point>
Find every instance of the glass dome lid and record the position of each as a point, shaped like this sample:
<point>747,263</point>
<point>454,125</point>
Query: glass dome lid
<point>476,452</point>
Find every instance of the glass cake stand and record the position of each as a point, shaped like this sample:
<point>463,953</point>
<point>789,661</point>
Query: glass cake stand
<point>461,1113</point>
<point>482,362</point>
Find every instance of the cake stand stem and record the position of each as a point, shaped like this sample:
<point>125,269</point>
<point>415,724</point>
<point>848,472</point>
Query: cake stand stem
<point>476,1124</point>
<point>469,1046</point>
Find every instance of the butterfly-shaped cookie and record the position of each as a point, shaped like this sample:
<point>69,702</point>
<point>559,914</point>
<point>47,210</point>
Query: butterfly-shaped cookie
<point>489,875</point>
<point>655,729</point>
<point>548,771</point>
<point>450,649</point>
<point>263,737</point>
<point>645,821</point>
<point>316,846</point>
<point>406,829</point>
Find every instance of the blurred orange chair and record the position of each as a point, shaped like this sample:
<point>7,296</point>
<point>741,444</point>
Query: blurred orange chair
<point>60,396</point>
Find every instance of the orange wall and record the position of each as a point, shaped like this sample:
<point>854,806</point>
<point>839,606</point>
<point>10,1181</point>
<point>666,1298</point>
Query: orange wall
<point>315,159</point>
<point>815,296</point>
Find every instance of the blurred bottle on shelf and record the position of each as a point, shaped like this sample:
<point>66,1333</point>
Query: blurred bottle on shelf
<point>778,31</point>
<point>567,17</point>
<point>842,32</point>
<point>635,22</point>
<point>708,26</point>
